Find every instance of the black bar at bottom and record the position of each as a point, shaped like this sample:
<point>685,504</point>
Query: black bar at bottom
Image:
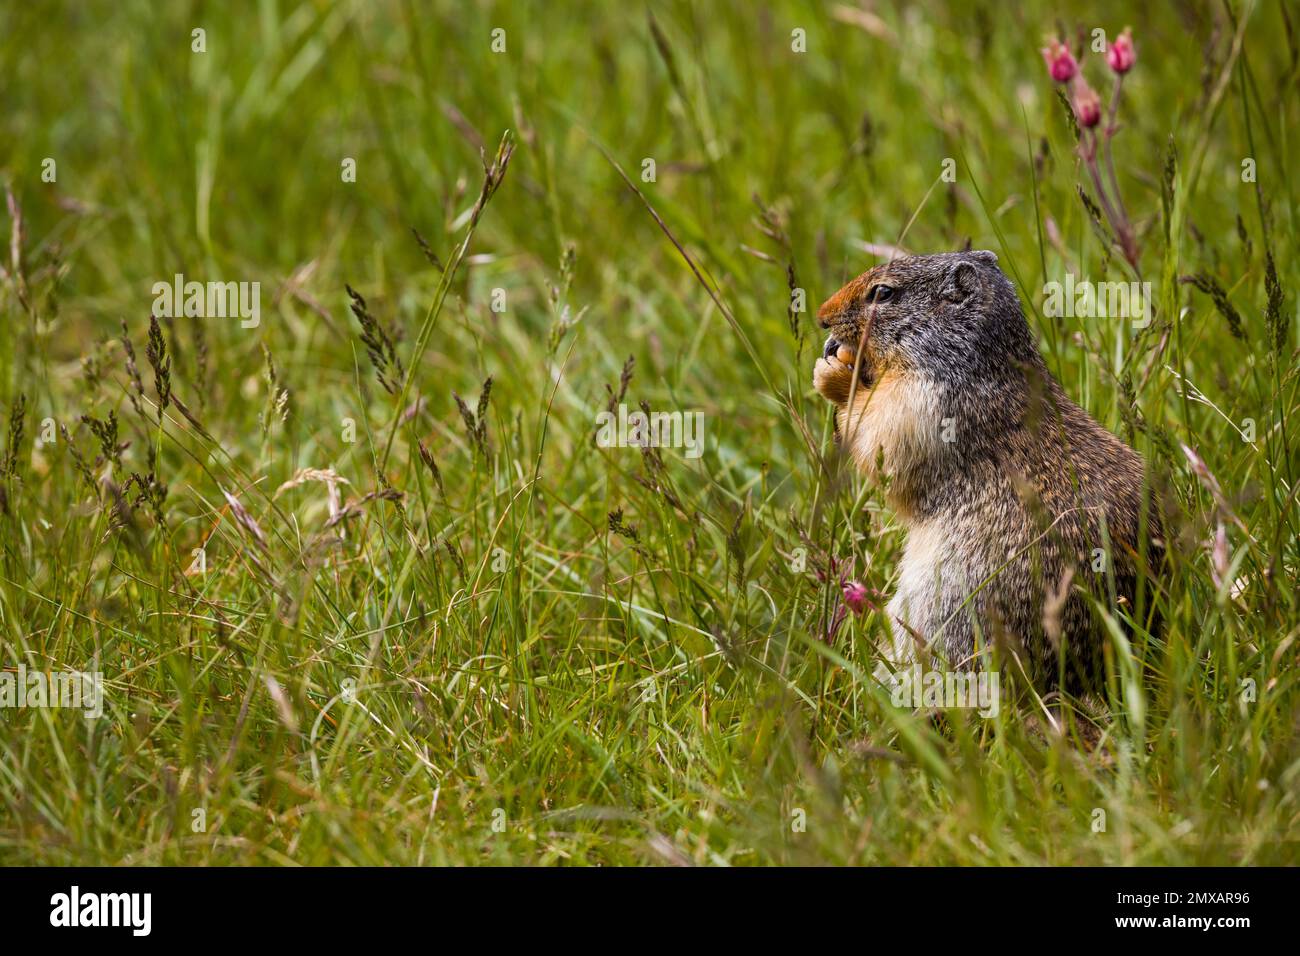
<point>335,907</point>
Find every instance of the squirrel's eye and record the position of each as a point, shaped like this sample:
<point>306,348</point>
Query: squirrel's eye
<point>882,293</point>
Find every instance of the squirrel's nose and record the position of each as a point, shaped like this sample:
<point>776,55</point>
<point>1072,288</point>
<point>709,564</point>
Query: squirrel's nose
<point>835,307</point>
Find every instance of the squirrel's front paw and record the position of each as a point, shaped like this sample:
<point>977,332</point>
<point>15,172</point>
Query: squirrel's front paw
<point>833,379</point>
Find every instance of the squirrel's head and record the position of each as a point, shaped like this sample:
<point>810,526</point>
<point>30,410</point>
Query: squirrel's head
<point>952,317</point>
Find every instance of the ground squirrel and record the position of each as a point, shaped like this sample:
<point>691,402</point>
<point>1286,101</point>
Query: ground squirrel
<point>1006,487</point>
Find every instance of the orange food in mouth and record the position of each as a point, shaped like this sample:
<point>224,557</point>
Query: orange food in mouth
<point>845,353</point>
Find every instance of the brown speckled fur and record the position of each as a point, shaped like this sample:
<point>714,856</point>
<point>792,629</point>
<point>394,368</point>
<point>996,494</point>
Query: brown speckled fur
<point>1016,501</point>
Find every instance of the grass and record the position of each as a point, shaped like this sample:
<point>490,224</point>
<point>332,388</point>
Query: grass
<point>518,647</point>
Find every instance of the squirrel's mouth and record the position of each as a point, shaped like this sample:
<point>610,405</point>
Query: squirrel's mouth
<point>837,349</point>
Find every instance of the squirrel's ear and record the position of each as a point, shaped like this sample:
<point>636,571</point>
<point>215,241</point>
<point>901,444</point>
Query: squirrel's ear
<point>963,281</point>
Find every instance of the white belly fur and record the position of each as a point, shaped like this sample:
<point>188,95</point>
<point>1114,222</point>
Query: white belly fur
<point>928,559</point>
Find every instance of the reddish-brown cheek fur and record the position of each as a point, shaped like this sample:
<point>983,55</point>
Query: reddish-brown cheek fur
<point>851,297</point>
<point>841,301</point>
